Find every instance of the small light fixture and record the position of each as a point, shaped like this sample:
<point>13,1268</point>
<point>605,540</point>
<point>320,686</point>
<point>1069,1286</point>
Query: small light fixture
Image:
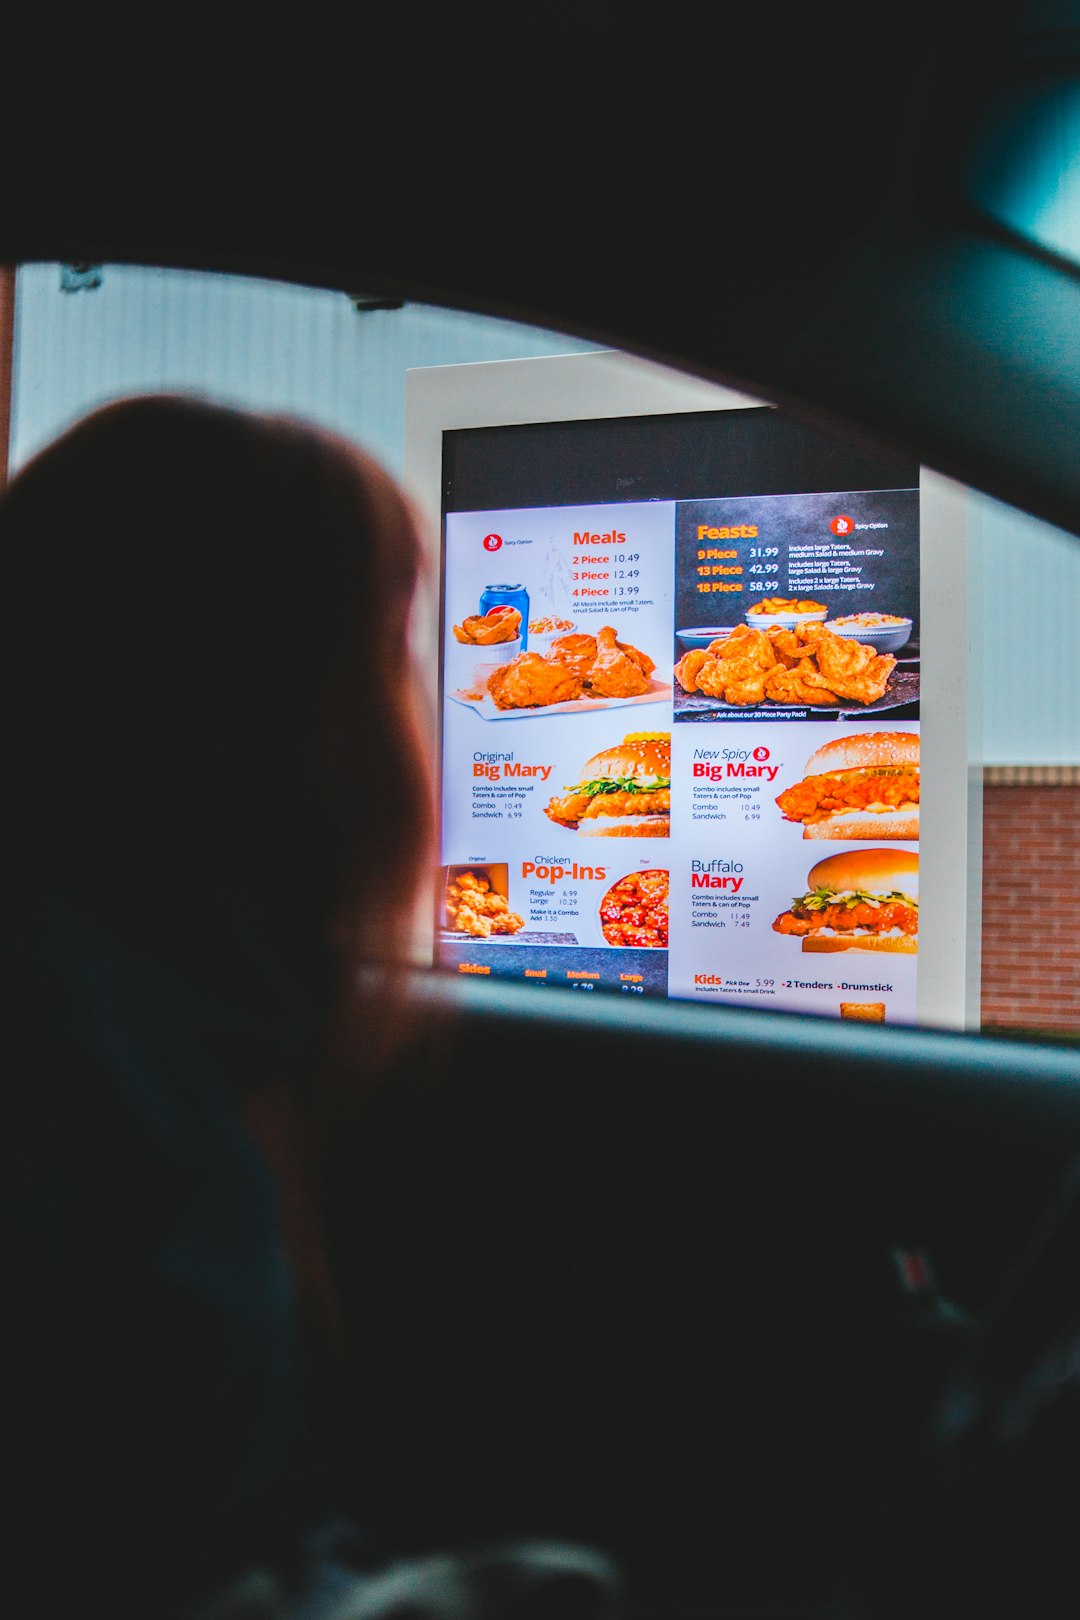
<point>363,302</point>
<point>80,277</point>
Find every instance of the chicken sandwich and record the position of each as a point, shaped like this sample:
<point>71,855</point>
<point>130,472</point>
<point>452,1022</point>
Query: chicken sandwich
<point>863,786</point>
<point>859,900</point>
<point>624,792</point>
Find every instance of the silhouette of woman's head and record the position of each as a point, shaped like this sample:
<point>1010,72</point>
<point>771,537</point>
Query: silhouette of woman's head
<point>205,661</point>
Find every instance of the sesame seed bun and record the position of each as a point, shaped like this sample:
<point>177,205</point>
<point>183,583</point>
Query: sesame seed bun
<point>644,757</point>
<point>878,871</point>
<point>865,750</point>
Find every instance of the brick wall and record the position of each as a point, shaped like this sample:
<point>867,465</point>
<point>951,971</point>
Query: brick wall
<point>1031,897</point>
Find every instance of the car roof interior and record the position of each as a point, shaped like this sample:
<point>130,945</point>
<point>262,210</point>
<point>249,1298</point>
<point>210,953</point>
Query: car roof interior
<point>636,1275</point>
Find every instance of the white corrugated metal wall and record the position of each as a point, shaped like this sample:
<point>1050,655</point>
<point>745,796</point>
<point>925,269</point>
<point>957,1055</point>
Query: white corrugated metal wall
<point>264,344</point>
<point>276,346</point>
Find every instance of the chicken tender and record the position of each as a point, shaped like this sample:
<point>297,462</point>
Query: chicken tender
<point>686,670</point>
<point>614,673</point>
<point>531,681</point>
<point>787,646</point>
<point>784,685</point>
<point>853,670</point>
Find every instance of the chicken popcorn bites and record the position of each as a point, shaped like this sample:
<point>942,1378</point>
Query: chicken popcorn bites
<point>473,907</point>
<point>806,665</point>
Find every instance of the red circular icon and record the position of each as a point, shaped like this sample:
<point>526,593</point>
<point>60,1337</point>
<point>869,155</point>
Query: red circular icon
<point>761,753</point>
<point>492,542</point>
<point>839,525</point>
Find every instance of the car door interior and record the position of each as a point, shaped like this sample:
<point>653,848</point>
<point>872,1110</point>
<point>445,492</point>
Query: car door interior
<point>642,1276</point>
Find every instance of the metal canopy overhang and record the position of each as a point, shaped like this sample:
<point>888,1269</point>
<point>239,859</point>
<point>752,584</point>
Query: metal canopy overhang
<point>775,210</point>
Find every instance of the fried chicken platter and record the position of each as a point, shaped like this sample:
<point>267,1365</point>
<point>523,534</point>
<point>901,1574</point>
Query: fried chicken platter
<point>805,665</point>
<point>577,666</point>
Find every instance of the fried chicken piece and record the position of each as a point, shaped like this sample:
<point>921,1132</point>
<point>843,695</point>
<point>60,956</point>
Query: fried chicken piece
<point>811,634</point>
<point>841,656</point>
<point>478,630</point>
<point>642,660</point>
<point>531,681</point>
<point>816,681</point>
<point>749,688</point>
<point>740,632</point>
<point>473,907</point>
<point>686,670</point>
<point>851,669</point>
<point>715,677</point>
<point>468,921</point>
<point>753,645</point>
<point>577,652</point>
<point>614,673</point>
<point>786,645</point>
<point>712,678</point>
<point>785,685</point>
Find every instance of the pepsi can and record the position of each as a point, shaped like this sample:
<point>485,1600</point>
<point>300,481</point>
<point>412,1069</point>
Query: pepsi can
<point>517,596</point>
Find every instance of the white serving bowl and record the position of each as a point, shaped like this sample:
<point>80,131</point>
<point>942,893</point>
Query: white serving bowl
<point>784,621</point>
<point>541,642</point>
<point>468,668</point>
<point>884,638</point>
<point>703,638</point>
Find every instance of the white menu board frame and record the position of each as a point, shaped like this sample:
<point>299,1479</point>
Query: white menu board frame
<point>611,384</point>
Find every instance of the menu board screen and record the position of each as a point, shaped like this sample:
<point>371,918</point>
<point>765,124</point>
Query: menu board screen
<point>680,712</point>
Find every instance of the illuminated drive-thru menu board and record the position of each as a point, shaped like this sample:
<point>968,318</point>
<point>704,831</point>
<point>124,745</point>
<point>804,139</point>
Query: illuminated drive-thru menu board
<point>680,712</point>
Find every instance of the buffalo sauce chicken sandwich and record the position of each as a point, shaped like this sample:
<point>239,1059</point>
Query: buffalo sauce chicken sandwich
<point>859,900</point>
<point>624,791</point>
<point>862,786</point>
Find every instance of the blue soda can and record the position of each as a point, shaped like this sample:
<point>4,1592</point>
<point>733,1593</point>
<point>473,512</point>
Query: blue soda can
<point>508,596</point>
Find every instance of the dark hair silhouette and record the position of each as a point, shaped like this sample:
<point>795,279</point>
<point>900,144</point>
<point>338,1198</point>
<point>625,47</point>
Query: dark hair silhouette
<point>215,825</point>
<point>205,618</point>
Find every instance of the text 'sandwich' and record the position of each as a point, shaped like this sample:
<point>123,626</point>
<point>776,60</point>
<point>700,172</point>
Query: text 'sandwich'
<point>624,792</point>
<point>862,786</point>
<point>859,900</point>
